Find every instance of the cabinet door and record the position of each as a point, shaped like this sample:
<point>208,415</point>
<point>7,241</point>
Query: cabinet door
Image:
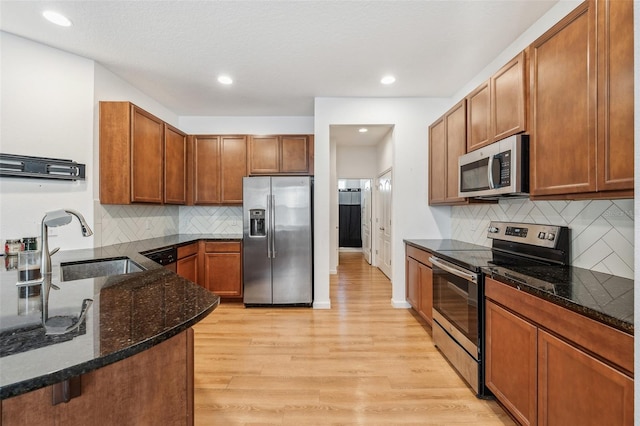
<point>615,95</point>
<point>188,268</point>
<point>413,283</point>
<point>511,359</point>
<point>563,103</point>
<point>223,274</point>
<point>175,166</point>
<point>233,167</point>
<point>575,388</point>
<point>509,99</point>
<point>478,120</point>
<point>264,155</point>
<point>425,293</point>
<point>294,155</point>
<point>206,170</point>
<point>456,137</point>
<point>147,157</point>
<point>437,163</point>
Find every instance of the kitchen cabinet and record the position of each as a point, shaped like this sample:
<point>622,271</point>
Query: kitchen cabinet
<point>447,141</point>
<point>583,107</point>
<point>222,268</point>
<point>549,365</point>
<point>280,154</point>
<point>187,264</point>
<point>419,282</point>
<point>131,155</point>
<point>498,107</point>
<point>219,164</point>
<point>152,387</point>
<point>175,166</point>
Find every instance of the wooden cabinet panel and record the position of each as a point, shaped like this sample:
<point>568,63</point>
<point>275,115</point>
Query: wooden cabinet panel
<point>294,154</point>
<point>478,120</point>
<point>175,166</point>
<point>437,162</point>
<point>147,157</point>
<point>413,283</point>
<point>509,99</point>
<point>563,103</point>
<point>511,362</point>
<point>426,293</point>
<point>223,274</point>
<point>575,388</point>
<point>233,168</point>
<point>264,155</point>
<point>447,141</point>
<point>187,267</point>
<point>615,95</point>
<point>206,170</point>
<point>222,247</point>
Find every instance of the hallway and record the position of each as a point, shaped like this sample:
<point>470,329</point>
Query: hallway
<point>361,363</point>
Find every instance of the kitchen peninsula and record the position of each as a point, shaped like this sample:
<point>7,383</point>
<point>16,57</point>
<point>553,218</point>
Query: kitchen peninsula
<point>130,362</point>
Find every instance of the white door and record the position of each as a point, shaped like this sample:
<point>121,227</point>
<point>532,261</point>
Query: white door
<point>366,220</point>
<point>383,248</point>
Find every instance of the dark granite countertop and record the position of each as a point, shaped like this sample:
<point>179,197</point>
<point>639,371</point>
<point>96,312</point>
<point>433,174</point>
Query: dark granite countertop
<point>603,297</point>
<point>130,313</point>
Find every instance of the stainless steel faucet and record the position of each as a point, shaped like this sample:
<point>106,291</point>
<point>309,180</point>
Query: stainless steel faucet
<point>58,325</point>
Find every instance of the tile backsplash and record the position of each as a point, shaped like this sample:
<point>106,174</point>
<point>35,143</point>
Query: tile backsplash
<point>210,220</point>
<point>602,231</point>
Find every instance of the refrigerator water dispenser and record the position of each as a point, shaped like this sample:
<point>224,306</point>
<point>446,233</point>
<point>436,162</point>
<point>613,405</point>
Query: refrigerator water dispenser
<point>257,225</point>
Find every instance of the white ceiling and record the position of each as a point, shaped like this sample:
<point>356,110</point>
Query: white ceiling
<point>281,54</point>
<point>351,135</point>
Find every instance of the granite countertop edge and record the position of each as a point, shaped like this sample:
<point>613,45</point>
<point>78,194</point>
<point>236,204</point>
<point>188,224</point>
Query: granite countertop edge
<point>134,251</point>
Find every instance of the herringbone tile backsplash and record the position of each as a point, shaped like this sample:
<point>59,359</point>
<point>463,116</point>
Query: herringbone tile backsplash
<point>211,220</point>
<point>602,231</point>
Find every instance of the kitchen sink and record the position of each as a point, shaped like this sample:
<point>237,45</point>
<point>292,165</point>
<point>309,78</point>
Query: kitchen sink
<point>72,271</point>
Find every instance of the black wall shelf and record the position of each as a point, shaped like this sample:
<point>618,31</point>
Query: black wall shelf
<point>40,167</point>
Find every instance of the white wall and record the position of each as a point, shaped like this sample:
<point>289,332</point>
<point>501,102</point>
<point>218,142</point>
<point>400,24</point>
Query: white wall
<point>410,117</point>
<point>356,162</point>
<point>385,153</point>
<point>46,111</point>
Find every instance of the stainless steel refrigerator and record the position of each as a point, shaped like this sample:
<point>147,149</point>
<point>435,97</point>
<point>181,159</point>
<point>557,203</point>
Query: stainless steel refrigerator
<point>277,240</point>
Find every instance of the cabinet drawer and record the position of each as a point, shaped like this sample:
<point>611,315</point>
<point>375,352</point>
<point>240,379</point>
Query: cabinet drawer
<point>419,255</point>
<point>222,247</point>
<point>184,251</point>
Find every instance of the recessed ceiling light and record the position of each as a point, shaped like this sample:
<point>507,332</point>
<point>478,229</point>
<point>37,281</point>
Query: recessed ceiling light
<point>225,79</point>
<point>56,18</point>
<point>363,130</point>
<point>388,79</point>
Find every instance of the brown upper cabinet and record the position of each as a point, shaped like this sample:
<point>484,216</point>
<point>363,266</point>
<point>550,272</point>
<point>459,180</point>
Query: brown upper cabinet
<point>498,107</point>
<point>175,166</point>
<point>280,154</point>
<point>219,164</point>
<point>447,141</point>
<point>582,108</point>
<point>131,155</point>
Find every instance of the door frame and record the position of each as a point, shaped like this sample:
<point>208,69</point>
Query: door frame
<point>378,201</point>
<point>371,214</point>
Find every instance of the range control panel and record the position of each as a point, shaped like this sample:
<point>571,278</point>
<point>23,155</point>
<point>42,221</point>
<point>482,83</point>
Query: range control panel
<point>527,233</point>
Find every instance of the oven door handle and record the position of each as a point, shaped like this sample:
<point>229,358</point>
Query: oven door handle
<point>453,269</point>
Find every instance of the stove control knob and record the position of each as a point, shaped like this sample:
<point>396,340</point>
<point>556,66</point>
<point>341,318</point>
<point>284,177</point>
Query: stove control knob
<point>542,235</point>
<point>493,230</point>
<point>551,236</point>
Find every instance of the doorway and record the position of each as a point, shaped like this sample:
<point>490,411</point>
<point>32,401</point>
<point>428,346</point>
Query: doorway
<point>354,216</point>
<point>383,223</point>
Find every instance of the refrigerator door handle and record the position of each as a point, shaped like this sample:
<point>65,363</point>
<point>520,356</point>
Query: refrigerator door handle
<point>273,226</point>
<point>269,228</point>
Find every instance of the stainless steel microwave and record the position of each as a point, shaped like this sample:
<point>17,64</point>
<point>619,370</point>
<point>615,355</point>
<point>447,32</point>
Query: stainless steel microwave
<point>497,170</point>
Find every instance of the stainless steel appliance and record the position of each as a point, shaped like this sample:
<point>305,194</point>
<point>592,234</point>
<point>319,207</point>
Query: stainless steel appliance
<point>458,288</point>
<point>277,240</point>
<point>497,170</point>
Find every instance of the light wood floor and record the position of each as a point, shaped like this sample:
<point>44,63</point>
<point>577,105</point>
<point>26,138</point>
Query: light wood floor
<point>360,363</point>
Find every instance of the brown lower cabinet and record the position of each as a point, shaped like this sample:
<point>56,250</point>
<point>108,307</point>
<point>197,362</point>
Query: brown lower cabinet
<point>548,365</point>
<point>419,285</point>
<point>222,268</point>
<point>152,387</point>
<point>187,264</point>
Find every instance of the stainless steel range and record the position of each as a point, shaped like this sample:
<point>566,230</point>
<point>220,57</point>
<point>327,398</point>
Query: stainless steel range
<point>458,288</point>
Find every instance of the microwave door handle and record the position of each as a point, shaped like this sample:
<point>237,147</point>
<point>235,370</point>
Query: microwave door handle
<point>453,270</point>
<point>490,172</point>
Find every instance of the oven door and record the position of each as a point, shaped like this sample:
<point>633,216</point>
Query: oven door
<point>455,303</point>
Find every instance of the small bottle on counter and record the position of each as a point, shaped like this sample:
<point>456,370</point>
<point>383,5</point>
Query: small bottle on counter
<point>12,247</point>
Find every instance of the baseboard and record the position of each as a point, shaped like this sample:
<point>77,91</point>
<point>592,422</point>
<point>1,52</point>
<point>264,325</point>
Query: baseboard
<point>333,271</point>
<point>400,304</point>
<point>322,305</point>
<point>350,249</point>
